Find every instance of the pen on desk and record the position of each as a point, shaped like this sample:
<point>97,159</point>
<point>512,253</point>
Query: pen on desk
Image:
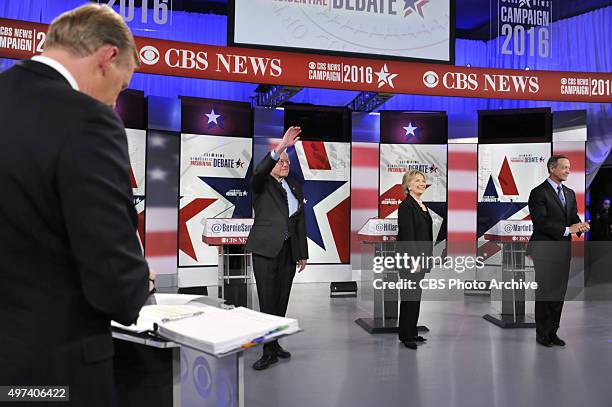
<point>183,316</point>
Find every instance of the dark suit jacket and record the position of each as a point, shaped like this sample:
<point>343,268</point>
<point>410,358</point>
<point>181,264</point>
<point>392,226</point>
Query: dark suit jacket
<point>550,219</point>
<point>70,258</point>
<point>272,215</point>
<point>414,228</point>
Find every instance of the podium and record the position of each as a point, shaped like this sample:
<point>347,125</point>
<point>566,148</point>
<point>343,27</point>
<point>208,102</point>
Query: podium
<point>155,372</point>
<point>235,268</point>
<point>381,234</point>
<point>513,236</point>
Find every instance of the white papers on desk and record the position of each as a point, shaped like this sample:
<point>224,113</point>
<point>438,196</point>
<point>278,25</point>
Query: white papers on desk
<point>219,331</point>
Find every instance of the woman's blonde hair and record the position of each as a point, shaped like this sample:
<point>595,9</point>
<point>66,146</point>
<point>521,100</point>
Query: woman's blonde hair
<point>408,177</point>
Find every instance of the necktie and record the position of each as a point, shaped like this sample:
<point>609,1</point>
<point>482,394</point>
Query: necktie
<point>561,196</point>
<point>286,231</point>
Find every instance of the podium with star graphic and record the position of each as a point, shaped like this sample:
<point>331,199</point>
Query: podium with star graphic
<point>381,234</point>
<point>506,175</point>
<point>235,268</point>
<point>512,236</point>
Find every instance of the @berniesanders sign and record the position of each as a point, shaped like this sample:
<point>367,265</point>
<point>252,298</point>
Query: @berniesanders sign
<point>524,27</point>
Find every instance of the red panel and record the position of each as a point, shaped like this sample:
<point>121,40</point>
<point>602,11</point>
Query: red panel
<point>186,213</point>
<point>506,179</point>
<point>339,219</point>
<point>316,155</point>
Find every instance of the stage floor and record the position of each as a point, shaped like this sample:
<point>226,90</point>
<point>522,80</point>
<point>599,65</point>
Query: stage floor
<point>466,361</point>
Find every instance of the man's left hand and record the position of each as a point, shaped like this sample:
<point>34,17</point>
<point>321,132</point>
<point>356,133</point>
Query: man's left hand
<point>302,265</point>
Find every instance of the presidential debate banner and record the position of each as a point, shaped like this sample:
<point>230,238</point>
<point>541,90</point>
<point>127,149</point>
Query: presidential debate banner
<point>131,108</point>
<point>421,29</point>
<point>506,175</point>
<point>414,141</point>
<point>216,166</point>
<point>20,39</point>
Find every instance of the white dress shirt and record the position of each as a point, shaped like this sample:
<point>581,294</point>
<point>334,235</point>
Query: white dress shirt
<point>59,68</point>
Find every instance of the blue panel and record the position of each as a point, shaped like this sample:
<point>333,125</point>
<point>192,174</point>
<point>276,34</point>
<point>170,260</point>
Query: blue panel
<point>269,122</point>
<point>164,113</point>
<point>366,127</point>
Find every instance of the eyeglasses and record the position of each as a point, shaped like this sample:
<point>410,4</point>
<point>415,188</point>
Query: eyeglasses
<point>283,162</point>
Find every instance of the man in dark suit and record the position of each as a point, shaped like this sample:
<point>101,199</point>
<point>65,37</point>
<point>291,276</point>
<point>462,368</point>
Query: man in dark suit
<point>71,260</point>
<point>554,213</point>
<point>278,237</point>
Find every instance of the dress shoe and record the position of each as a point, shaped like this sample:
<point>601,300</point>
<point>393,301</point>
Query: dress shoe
<point>544,341</point>
<point>265,362</point>
<point>420,339</point>
<point>282,353</point>
<point>410,345</point>
<point>555,340</point>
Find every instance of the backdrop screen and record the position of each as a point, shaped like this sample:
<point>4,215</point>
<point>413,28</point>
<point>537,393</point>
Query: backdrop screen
<point>417,29</point>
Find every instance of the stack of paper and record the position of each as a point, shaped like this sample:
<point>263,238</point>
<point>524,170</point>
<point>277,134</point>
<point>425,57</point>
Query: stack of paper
<point>156,314</point>
<point>220,331</point>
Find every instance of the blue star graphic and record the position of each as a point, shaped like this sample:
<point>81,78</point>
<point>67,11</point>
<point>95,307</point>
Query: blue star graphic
<point>242,204</point>
<point>315,192</point>
<point>410,4</point>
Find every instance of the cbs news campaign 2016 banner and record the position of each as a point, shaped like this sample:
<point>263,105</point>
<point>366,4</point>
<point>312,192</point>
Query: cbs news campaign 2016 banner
<point>216,166</point>
<point>508,172</point>
<point>400,28</point>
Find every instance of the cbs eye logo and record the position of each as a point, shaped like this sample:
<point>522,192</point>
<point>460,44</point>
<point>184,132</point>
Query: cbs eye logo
<point>149,55</point>
<point>430,79</point>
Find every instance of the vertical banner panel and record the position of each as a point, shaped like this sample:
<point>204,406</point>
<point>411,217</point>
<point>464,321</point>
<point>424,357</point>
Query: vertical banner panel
<point>215,170</point>
<point>506,175</point>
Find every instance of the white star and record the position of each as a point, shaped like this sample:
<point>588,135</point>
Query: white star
<point>212,117</point>
<point>385,77</point>
<point>157,174</point>
<point>410,130</point>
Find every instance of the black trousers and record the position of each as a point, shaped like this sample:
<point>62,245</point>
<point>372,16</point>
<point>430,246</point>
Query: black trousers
<point>552,278</point>
<point>274,277</point>
<point>410,306</point>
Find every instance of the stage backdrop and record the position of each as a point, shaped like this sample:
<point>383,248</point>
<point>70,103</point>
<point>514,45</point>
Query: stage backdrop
<point>414,141</point>
<point>216,166</point>
<point>324,170</point>
<point>131,108</point>
<point>506,175</point>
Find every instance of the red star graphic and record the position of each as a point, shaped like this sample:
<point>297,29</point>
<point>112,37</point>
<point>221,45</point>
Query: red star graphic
<point>133,178</point>
<point>185,215</point>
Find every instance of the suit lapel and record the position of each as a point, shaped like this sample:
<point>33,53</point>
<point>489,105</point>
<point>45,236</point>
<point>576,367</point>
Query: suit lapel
<point>552,191</point>
<point>279,194</point>
<point>567,203</point>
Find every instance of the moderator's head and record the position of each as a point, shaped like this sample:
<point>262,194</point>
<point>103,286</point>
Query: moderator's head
<point>98,46</point>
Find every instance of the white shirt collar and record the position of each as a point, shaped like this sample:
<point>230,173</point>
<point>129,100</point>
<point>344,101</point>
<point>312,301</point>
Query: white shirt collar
<point>59,68</point>
<point>554,184</point>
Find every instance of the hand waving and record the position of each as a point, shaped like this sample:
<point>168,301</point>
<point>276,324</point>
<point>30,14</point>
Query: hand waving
<point>292,136</point>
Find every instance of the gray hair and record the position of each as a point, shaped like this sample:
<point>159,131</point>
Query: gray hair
<point>83,30</point>
<point>554,160</point>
